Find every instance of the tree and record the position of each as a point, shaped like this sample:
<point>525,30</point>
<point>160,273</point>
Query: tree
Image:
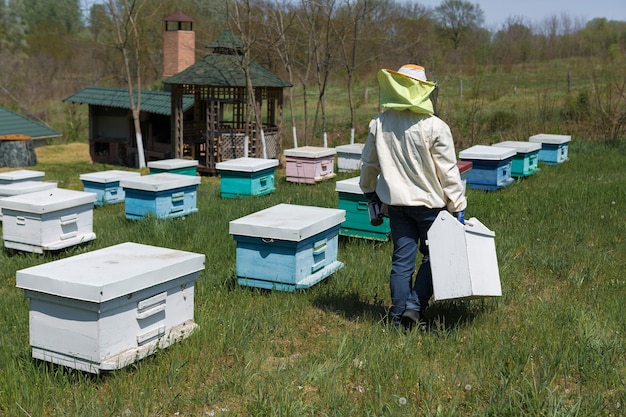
<point>125,17</point>
<point>458,17</point>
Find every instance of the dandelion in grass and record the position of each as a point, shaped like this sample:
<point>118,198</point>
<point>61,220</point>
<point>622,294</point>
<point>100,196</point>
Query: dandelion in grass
<point>468,387</point>
<point>402,401</point>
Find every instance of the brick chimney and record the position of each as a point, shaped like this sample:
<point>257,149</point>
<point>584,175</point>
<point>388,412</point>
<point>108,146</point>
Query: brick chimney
<point>179,44</point>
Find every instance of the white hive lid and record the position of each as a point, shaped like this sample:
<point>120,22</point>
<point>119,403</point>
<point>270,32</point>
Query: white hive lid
<point>159,182</point>
<point>351,185</point>
<point>109,273</point>
<point>353,148</point>
<point>550,139</point>
<point>173,163</point>
<point>246,164</point>
<point>484,152</point>
<point>310,152</point>
<point>25,187</point>
<point>48,201</point>
<point>287,222</point>
<point>113,175</point>
<point>520,146</point>
<point>20,174</point>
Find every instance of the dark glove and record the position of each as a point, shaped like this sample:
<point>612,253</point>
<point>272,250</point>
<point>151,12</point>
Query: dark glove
<point>373,197</point>
<point>460,216</point>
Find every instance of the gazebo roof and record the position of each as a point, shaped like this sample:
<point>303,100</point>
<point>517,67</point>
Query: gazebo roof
<point>220,69</point>
<point>227,40</point>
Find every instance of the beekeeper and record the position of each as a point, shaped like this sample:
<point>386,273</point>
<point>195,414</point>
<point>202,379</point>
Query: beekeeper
<point>409,163</point>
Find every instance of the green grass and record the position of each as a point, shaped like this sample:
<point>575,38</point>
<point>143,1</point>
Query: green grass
<point>552,345</point>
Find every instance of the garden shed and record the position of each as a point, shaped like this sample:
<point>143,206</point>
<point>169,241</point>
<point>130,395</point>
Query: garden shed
<point>221,121</point>
<point>111,129</point>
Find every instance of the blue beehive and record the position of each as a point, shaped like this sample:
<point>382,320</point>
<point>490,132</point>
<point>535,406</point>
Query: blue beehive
<point>244,177</point>
<point>287,247</point>
<point>526,158</point>
<point>162,195</point>
<point>491,166</point>
<point>357,223</point>
<point>174,166</point>
<point>106,185</point>
<point>553,147</point>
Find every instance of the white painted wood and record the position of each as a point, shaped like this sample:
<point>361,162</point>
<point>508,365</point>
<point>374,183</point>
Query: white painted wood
<point>463,259</point>
<point>47,220</point>
<point>20,175</point>
<point>246,164</point>
<point>104,177</point>
<point>159,182</point>
<point>105,309</point>
<point>520,146</point>
<point>169,164</point>
<point>350,185</point>
<point>25,187</point>
<point>484,152</point>
<point>310,152</point>
<point>550,139</point>
<point>287,222</point>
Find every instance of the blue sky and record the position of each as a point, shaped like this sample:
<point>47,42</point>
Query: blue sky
<point>536,11</point>
<point>532,11</point>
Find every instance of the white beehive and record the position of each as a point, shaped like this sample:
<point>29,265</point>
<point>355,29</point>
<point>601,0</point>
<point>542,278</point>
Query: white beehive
<point>47,220</point>
<point>463,259</point>
<point>349,157</point>
<point>20,175</point>
<point>23,187</point>
<point>102,310</point>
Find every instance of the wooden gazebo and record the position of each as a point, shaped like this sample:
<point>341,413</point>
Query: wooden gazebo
<point>219,125</point>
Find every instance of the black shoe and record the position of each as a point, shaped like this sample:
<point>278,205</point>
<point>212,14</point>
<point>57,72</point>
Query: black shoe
<point>412,318</point>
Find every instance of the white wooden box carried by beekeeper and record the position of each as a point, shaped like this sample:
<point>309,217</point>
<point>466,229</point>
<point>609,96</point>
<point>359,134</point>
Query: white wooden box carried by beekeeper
<point>105,309</point>
<point>462,259</point>
<point>47,220</point>
<point>287,247</point>
<point>19,175</point>
<point>23,187</point>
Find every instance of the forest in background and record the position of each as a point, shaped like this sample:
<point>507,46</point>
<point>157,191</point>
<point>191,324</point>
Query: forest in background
<point>326,48</point>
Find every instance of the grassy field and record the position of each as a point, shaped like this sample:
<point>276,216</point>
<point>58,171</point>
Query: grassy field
<point>552,345</point>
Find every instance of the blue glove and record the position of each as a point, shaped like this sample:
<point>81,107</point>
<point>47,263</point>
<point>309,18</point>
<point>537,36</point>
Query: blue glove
<point>460,216</point>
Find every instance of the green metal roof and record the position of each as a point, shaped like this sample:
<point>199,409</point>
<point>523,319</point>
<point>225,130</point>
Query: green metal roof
<point>219,70</point>
<point>158,102</point>
<point>12,123</point>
